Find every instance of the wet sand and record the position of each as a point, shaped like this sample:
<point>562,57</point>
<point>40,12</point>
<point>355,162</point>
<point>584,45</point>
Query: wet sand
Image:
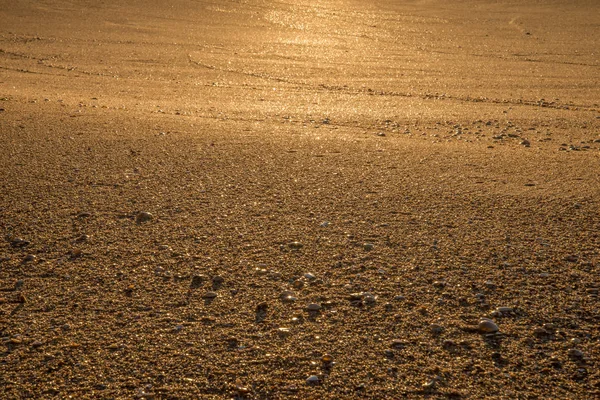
<point>180,183</point>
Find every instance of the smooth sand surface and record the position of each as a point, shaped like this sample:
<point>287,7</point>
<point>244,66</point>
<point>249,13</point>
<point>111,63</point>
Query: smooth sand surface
<point>406,168</point>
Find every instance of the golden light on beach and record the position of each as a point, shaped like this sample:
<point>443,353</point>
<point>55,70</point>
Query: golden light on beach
<point>299,200</point>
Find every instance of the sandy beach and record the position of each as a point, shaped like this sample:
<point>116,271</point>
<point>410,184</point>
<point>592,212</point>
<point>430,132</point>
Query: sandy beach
<point>299,200</point>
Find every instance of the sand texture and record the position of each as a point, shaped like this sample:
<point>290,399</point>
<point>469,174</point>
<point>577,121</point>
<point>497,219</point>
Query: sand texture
<point>299,200</point>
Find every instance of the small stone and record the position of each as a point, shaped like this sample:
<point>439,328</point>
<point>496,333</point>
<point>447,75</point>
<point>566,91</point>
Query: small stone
<point>283,332</point>
<point>448,344</point>
<point>487,326</point>
<point>313,307</point>
<point>197,281</point>
<point>429,386</point>
<point>327,359</point>
<point>288,297</point>
<point>540,332</point>
<point>355,296</point>
<point>436,329</point>
<point>29,258</point>
<point>209,295</point>
<point>576,354</point>
<point>368,246</point>
<point>37,344</point>
<point>76,253</point>
<point>298,284</point>
<point>164,247</point>
<point>369,299</point>
<point>18,242</point>
<point>295,245</point>
<point>82,238</point>
<point>143,216</point>
<point>312,380</point>
<point>505,310</point>
<point>490,285</point>
<point>309,276</point>
<point>361,387</point>
<point>218,280</point>
<point>439,284</point>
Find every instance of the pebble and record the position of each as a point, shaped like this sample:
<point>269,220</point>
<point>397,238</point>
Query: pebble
<point>288,297</point>
<point>312,380</point>
<point>487,326</point>
<point>197,281</point>
<point>143,216</point>
<point>209,295</point>
<point>429,386</point>
<point>398,344</point>
<point>436,329</point>
<point>490,285</point>
<point>283,332</point>
<point>439,284</point>
<point>368,298</point>
<point>368,246</point>
<point>313,307</point>
<point>310,276</point>
<point>576,354</point>
<point>448,344</point>
<point>540,332</point>
<point>82,238</point>
<point>355,296</point>
<point>298,284</point>
<point>503,312</point>
<point>18,242</point>
<point>29,258</point>
<point>295,245</point>
<point>327,359</point>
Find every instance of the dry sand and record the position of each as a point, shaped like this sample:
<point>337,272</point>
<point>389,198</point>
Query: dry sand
<point>407,167</point>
